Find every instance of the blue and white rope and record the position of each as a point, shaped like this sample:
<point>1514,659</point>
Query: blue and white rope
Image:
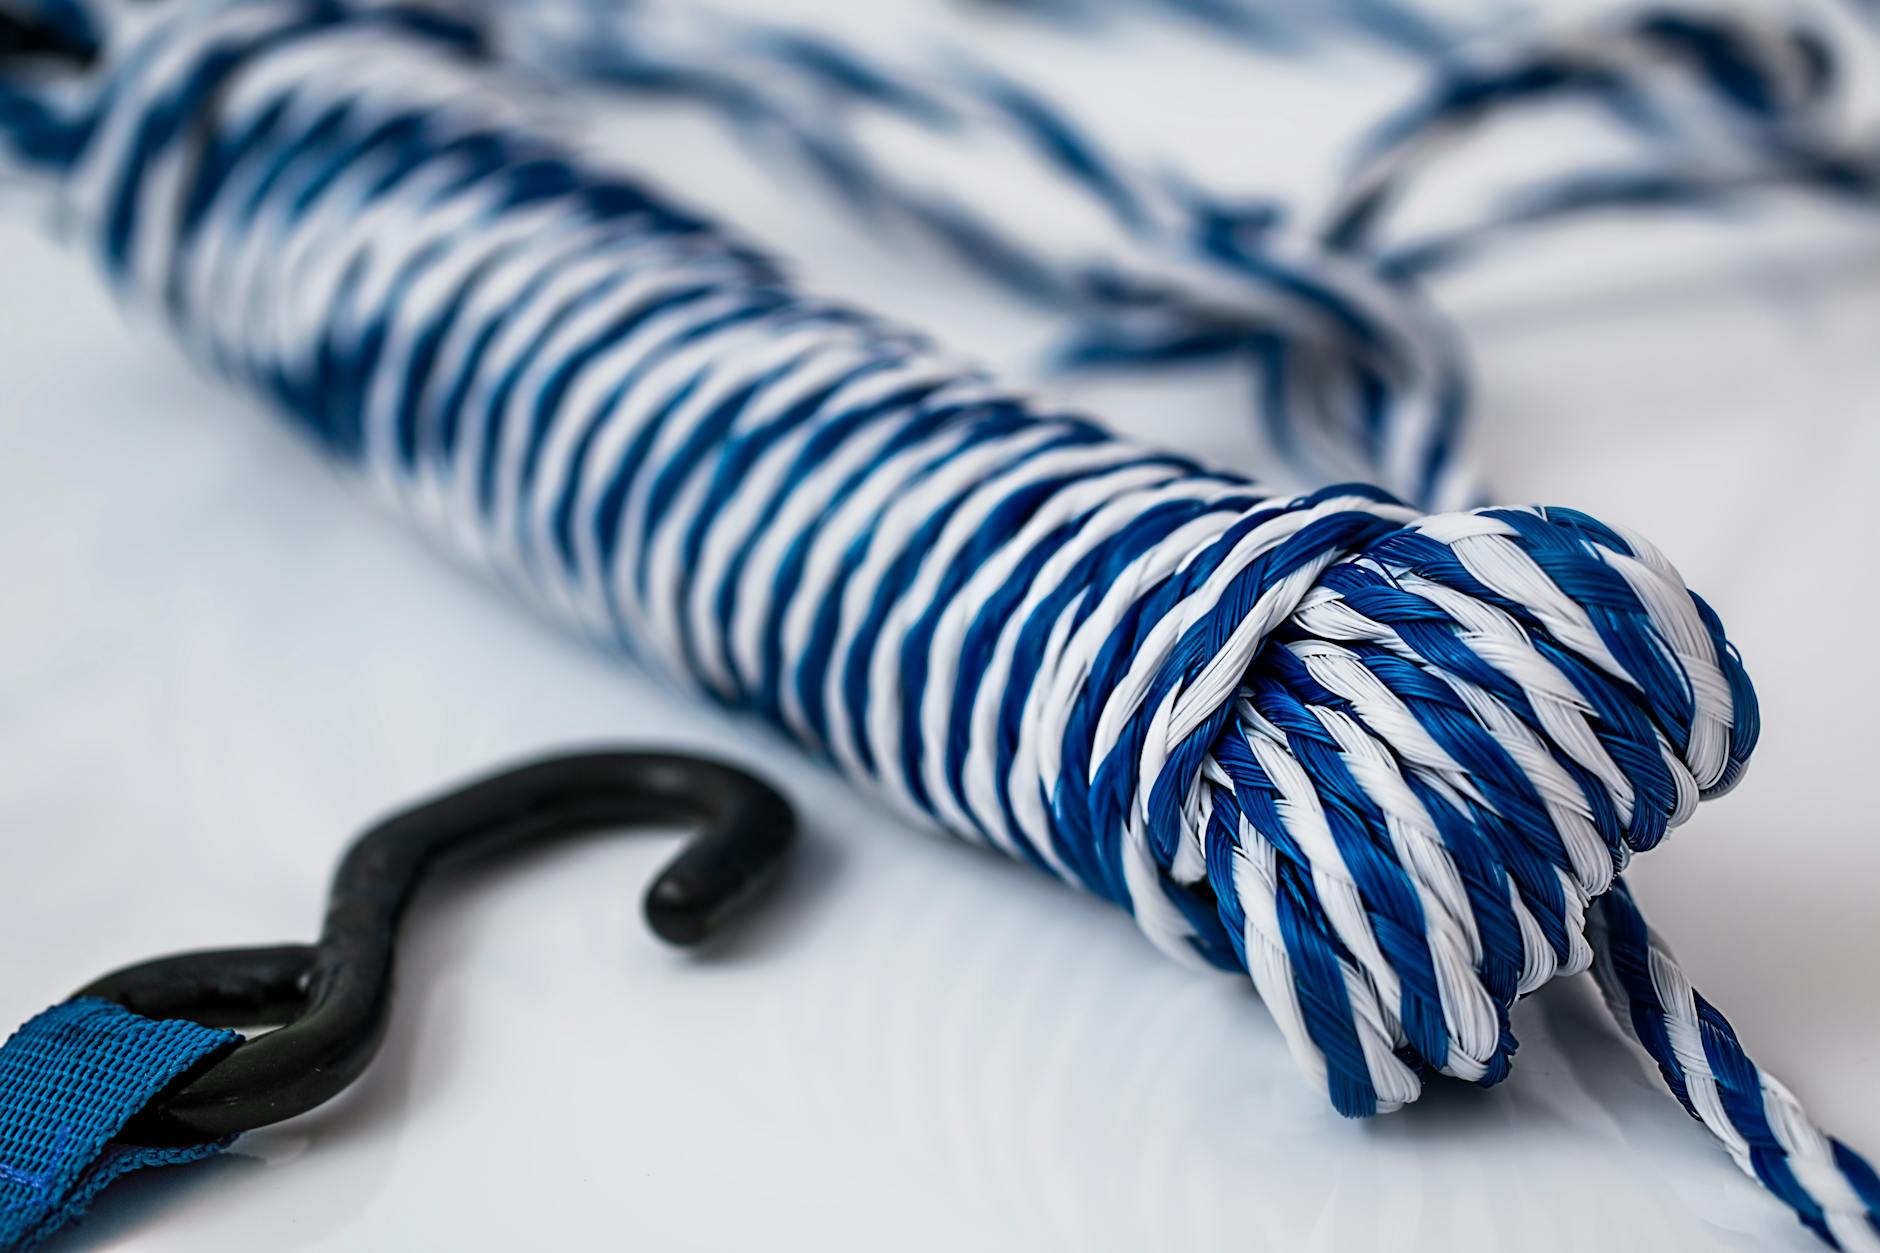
<point>1283,26</point>
<point>1361,377</point>
<point>1358,374</point>
<point>1390,764</point>
<point>1730,101</point>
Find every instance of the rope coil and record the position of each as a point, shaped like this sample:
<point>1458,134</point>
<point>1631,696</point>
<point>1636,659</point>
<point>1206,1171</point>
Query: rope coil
<point>1390,764</point>
<point>1357,375</point>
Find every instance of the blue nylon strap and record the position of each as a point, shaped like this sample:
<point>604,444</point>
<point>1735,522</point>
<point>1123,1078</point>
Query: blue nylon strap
<point>69,1080</point>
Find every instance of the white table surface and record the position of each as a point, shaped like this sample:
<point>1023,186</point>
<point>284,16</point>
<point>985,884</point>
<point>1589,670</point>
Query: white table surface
<point>219,663</point>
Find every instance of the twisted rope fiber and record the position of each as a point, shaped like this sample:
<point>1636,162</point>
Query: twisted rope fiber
<point>1389,764</point>
<point>1357,374</point>
<point>1288,27</point>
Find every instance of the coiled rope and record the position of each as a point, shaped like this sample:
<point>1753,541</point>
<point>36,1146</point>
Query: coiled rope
<point>1357,373</point>
<point>1390,764</point>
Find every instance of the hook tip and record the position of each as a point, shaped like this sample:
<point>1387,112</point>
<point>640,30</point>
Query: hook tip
<point>677,913</point>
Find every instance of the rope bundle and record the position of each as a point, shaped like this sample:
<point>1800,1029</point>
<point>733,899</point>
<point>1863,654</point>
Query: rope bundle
<point>1390,764</point>
<point>1357,374</point>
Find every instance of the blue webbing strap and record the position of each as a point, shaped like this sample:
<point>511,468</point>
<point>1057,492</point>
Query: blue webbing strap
<point>69,1080</point>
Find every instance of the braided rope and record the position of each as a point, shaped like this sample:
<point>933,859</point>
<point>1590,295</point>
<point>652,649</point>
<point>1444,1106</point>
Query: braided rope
<point>1284,26</point>
<point>1389,764</point>
<point>1359,376</point>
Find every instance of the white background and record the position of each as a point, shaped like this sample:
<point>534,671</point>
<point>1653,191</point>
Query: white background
<point>217,664</point>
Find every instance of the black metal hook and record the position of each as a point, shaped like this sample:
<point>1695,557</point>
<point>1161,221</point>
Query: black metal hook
<point>332,1000</point>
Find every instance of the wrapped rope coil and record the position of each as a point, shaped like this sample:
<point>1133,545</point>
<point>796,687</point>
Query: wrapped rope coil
<point>1390,764</point>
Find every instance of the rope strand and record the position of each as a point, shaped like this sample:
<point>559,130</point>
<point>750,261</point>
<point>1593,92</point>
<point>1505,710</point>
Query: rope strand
<point>1390,764</point>
<point>1357,374</point>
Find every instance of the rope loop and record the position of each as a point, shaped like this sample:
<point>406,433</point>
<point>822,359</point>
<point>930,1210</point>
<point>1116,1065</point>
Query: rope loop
<point>1390,763</point>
